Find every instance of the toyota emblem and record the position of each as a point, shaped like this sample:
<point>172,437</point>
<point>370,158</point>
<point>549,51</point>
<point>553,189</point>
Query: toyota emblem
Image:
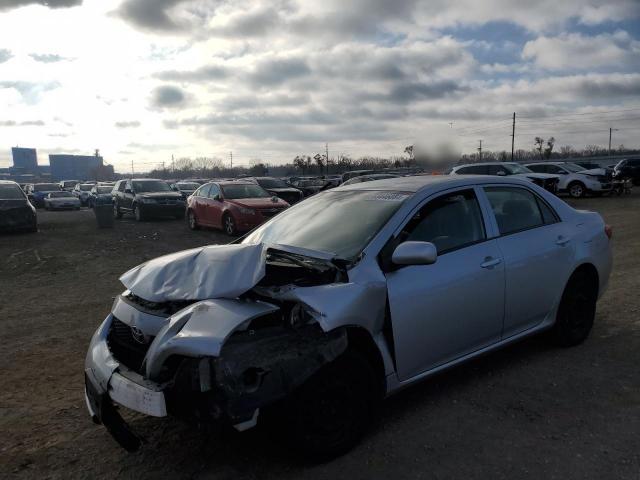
<point>138,335</point>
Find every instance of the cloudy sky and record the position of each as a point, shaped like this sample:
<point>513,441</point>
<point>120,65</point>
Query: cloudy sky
<point>146,79</point>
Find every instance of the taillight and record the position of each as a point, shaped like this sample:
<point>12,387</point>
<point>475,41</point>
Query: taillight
<point>608,231</point>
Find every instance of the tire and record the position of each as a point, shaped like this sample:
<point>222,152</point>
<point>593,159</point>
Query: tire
<point>137,212</point>
<point>116,211</point>
<point>576,312</point>
<point>229,225</point>
<point>576,189</point>
<point>331,412</point>
<point>192,222</point>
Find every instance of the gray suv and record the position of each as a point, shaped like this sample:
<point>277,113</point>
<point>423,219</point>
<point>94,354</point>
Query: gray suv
<point>146,197</point>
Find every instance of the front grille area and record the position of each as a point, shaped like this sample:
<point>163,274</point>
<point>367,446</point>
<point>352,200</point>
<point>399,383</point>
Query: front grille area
<point>124,346</point>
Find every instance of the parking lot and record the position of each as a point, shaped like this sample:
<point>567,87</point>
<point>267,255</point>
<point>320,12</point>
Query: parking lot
<point>530,411</point>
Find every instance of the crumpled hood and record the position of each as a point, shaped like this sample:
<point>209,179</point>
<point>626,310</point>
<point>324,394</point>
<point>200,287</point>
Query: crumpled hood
<point>215,271</point>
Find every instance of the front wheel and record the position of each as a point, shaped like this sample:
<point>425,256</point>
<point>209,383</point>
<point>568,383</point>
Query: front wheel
<point>576,312</point>
<point>137,212</point>
<point>191,221</point>
<point>577,190</point>
<point>116,211</point>
<point>329,414</point>
<point>229,225</point>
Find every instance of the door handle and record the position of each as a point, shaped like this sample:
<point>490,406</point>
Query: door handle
<point>562,240</point>
<point>490,262</point>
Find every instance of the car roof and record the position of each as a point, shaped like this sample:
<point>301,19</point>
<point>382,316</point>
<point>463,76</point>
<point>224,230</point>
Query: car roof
<point>418,183</point>
<point>486,163</point>
<point>233,182</point>
<point>8,182</point>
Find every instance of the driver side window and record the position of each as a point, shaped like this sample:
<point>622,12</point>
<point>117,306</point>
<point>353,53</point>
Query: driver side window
<point>215,190</point>
<point>450,222</point>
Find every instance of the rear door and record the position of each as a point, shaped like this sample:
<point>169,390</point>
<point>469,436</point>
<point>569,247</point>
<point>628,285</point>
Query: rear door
<point>453,307</point>
<point>537,249</point>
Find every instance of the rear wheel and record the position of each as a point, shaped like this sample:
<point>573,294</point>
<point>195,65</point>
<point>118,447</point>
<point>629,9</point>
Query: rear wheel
<point>576,189</point>
<point>191,221</point>
<point>329,414</point>
<point>229,224</point>
<point>576,312</point>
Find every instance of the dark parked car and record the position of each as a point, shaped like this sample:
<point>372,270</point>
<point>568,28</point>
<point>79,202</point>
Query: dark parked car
<point>16,211</point>
<point>309,186</point>
<point>280,189</point>
<point>146,197</point>
<point>233,206</point>
<point>628,168</point>
<point>99,195</point>
<point>185,188</point>
<point>38,191</point>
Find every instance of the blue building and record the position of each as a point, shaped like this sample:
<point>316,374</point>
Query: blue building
<point>25,160</point>
<point>76,167</point>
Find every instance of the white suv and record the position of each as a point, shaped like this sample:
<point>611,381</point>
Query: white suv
<point>574,179</point>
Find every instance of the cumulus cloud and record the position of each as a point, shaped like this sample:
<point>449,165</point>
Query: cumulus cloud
<point>167,96</point>
<point>127,124</point>
<point>166,16</point>
<point>10,4</point>
<point>47,57</point>
<point>576,51</point>
<point>5,55</point>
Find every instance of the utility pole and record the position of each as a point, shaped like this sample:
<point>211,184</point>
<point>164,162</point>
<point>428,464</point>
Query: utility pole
<point>164,173</point>
<point>231,156</point>
<point>132,174</point>
<point>611,130</point>
<point>480,150</point>
<point>513,134</point>
<point>326,155</point>
<point>173,164</point>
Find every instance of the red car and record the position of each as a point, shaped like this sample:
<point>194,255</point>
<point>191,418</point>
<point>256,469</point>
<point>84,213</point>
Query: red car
<point>233,206</point>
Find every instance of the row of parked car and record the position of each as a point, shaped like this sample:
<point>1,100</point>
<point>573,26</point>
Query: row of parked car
<point>237,205</point>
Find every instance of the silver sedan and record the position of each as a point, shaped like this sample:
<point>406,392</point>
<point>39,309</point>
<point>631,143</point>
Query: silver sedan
<point>342,300</point>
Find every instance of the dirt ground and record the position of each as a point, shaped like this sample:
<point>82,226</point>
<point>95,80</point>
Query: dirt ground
<point>530,411</point>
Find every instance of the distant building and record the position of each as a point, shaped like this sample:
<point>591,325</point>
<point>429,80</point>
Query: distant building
<point>78,167</point>
<point>25,160</point>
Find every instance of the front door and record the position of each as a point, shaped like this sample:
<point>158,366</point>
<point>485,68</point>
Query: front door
<point>455,306</point>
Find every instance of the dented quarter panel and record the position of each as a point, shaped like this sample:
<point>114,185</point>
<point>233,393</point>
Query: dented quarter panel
<point>201,330</point>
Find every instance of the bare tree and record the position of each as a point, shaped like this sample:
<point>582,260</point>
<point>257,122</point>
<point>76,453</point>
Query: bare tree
<point>549,148</point>
<point>539,145</point>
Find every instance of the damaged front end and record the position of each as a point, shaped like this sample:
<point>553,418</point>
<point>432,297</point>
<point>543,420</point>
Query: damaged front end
<point>223,358</point>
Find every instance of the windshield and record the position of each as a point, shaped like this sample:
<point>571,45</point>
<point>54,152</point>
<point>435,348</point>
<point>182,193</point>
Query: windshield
<point>514,168</point>
<point>573,167</point>
<point>104,189</point>
<point>86,188</point>
<point>60,195</point>
<point>271,183</point>
<point>188,186</point>
<point>243,190</point>
<point>11,192</point>
<point>46,187</point>
<point>150,186</point>
<point>341,223</point>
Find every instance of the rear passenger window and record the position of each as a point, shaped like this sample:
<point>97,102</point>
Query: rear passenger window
<point>516,209</point>
<point>449,222</point>
<point>473,170</point>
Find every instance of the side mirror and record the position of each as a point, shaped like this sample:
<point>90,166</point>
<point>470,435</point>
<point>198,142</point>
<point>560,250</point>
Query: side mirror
<point>128,190</point>
<point>415,253</point>
<point>218,198</point>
